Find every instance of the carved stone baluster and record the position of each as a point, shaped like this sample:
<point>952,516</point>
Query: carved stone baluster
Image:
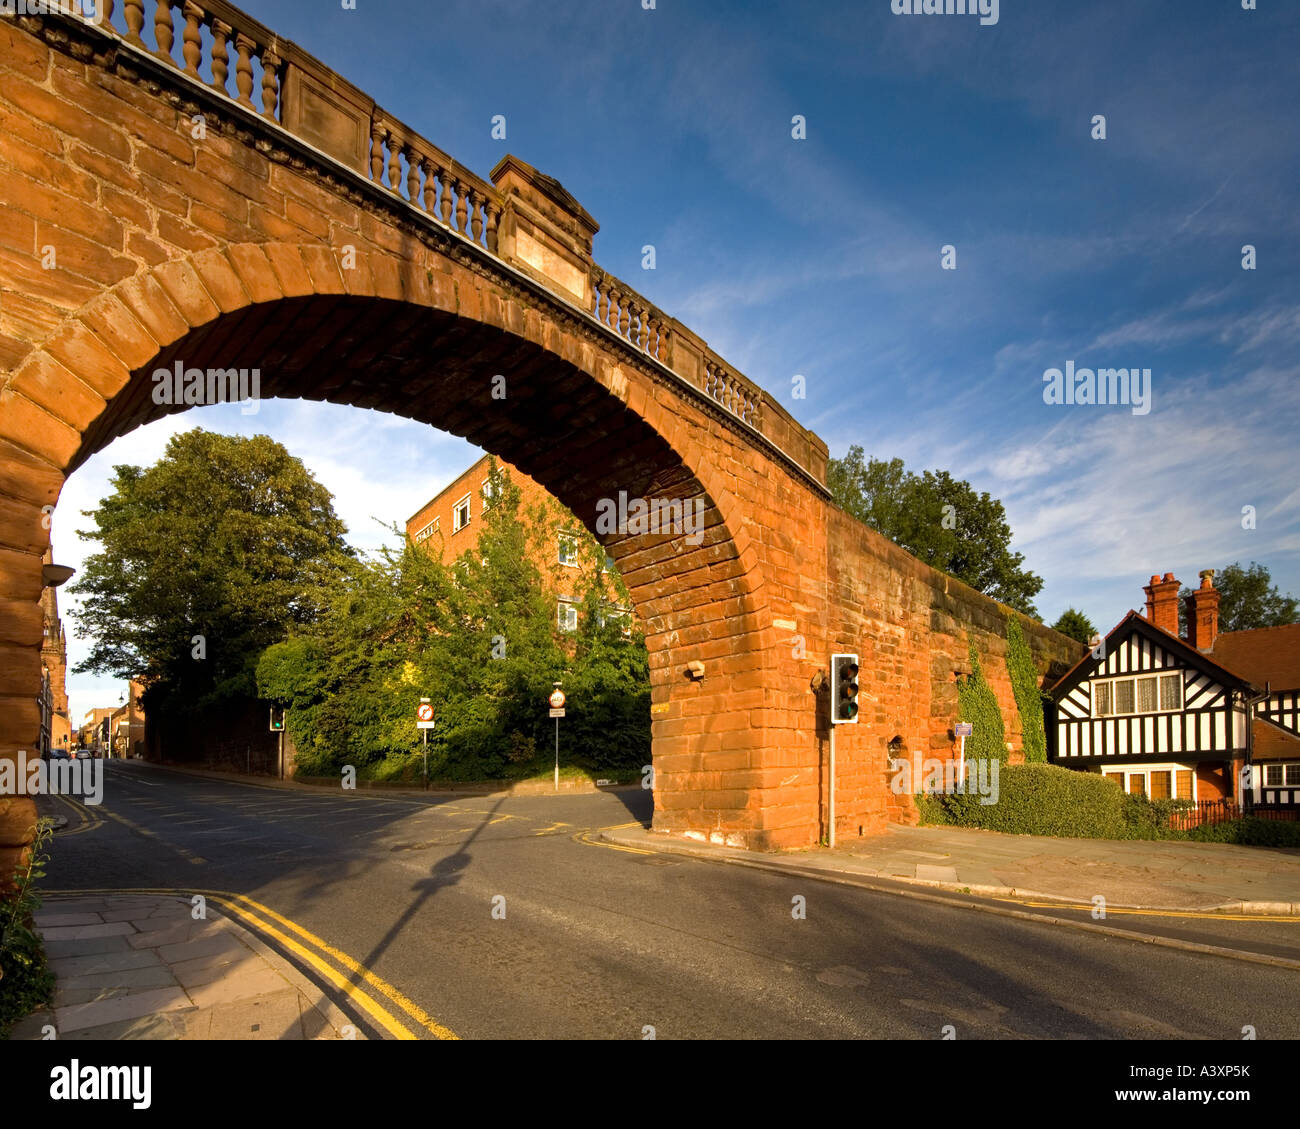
<point>476,214</point>
<point>220,55</point>
<point>445,203</point>
<point>377,135</point>
<point>430,186</point>
<point>643,330</point>
<point>394,164</point>
<point>163,31</point>
<point>493,215</point>
<point>593,280</point>
<point>412,175</point>
<point>244,70</point>
<point>107,6</point>
<point>134,15</point>
<point>611,310</point>
<point>665,345</point>
<point>192,41</point>
<point>625,320</point>
<point>756,413</point>
<point>462,207</point>
<point>270,83</point>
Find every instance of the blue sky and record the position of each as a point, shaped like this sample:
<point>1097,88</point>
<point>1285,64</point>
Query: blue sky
<point>821,257</point>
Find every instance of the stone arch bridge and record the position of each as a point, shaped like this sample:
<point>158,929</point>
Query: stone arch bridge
<point>179,184</point>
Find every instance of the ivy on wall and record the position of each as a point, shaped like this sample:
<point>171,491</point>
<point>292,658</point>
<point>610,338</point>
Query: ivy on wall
<point>1029,699</point>
<point>979,705</point>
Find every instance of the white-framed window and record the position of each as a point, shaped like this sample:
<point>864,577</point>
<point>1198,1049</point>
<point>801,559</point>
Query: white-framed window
<point>569,550</point>
<point>612,613</point>
<point>1282,775</point>
<point>428,531</point>
<point>1156,781</point>
<point>460,515</point>
<point>488,491</point>
<point>566,615</point>
<point>1142,693</point>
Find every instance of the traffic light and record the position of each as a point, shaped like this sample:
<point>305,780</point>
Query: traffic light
<point>844,689</point>
<point>277,720</point>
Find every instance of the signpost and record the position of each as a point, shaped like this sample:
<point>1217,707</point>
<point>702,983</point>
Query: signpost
<point>557,712</point>
<point>424,722</point>
<point>963,729</point>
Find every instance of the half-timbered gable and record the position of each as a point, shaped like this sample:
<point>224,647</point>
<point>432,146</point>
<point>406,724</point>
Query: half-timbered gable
<point>1213,716</point>
<point>1143,694</point>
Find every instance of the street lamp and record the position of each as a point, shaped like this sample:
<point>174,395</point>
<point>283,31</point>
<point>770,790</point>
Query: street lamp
<point>52,575</point>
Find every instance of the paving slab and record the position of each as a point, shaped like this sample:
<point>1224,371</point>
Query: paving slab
<point>141,967</point>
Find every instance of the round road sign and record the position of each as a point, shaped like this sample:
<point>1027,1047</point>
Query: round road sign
<point>424,712</point>
<point>557,700</point>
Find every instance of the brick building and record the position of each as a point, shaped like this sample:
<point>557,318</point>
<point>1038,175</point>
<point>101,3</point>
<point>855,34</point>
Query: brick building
<point>451,523</point>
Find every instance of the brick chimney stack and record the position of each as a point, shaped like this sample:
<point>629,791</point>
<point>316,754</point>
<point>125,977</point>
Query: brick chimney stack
<point>1162,603</point>
<point>1202,608</point>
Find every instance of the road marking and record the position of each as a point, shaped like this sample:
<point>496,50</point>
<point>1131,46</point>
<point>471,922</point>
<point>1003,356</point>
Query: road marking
<point>187,855</point>
<point>87,820</point>
<point>585,837</point>
<point>1200,915</point>
<point>247,911</point>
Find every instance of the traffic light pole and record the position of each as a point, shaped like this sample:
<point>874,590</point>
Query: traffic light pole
<point>830,837</point>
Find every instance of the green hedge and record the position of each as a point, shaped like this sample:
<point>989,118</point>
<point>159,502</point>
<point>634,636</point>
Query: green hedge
<point>1039,799</point>
<point>1250,832</point>
<point>1046,799</point>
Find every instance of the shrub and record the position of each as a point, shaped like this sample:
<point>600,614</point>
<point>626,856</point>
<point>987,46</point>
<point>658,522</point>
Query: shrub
<point>26,982</point>
<point>1250,831</point>
<point>979,705</point>
<point>1040,799</point>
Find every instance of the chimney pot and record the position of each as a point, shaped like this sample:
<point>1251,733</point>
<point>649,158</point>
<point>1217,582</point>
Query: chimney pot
<point>1169,576</point>
<point>1162,603</point>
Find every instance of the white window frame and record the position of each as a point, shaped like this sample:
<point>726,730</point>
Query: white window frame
<point>456,524</point>
<point>1285,767</point>
<point>609,610</point>
<point>1145,771</point>
<point>572,540</point>
<point>566,614</point>
<point>428,531</point>
<point>1109,684</point>
<point>488,493</point>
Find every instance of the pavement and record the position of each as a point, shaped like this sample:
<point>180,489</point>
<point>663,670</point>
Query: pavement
<point>1174,875</point>
<point>139,966</point>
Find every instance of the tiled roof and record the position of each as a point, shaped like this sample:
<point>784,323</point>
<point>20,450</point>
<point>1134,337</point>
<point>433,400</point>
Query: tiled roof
<point>1264,654</point>
<point>1272,742</point>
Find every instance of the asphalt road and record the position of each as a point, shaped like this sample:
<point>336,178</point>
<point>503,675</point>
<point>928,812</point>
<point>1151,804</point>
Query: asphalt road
<point>598,942</point>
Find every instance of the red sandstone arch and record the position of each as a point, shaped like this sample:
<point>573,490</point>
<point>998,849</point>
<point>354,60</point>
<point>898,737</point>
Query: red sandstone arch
<point>228,252</point>
<point>389,333</point>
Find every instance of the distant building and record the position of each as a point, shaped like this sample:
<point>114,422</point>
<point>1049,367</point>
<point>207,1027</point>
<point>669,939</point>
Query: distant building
<point>451,522</point>
<point>95,727</point>
<point>56,725</point>
<point>126,725</point>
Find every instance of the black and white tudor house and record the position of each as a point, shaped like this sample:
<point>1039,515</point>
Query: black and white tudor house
<point>1167,716</point>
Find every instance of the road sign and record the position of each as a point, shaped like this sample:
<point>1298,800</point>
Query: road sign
<point>557,700</point>
<point>557,713</point>
<point>424,716</point>
<point>963,729</point>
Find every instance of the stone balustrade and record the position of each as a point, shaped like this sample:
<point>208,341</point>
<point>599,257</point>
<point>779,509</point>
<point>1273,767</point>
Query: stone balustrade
<point>277,80</point>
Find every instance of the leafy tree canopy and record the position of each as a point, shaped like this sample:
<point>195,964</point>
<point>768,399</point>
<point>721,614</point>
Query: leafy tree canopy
<point>1247,599</point>
<point>939,519</point>
<point>1076,625</point>
<point>225,538</point>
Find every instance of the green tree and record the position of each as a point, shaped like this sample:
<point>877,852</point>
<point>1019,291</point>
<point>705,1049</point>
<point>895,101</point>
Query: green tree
<point>216,551</point>
<point>1029,698</point>
<point>1247,599</point>
<point>1076,625</point>
<point>939,519</point>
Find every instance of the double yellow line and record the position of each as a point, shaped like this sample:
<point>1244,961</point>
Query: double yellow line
<point>89,821</point>
<point>259,918</point>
